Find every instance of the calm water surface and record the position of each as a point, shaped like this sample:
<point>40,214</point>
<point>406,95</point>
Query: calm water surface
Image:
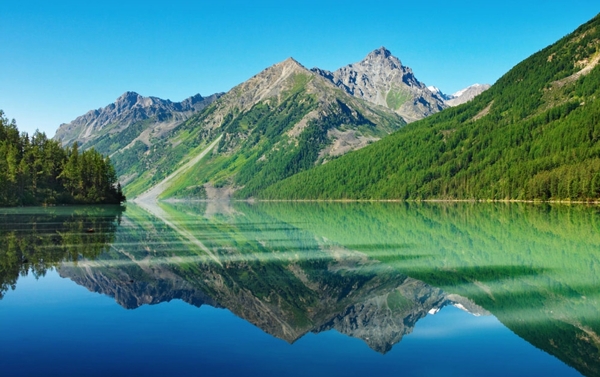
<point>209,289</point>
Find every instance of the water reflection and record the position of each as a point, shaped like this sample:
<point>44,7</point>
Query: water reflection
<point>33,240</point>
<point>280,278</point>
<point>370,271</point>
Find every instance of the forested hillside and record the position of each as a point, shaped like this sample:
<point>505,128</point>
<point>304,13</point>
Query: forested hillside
<point>38,171</point>
<point>533,135</point>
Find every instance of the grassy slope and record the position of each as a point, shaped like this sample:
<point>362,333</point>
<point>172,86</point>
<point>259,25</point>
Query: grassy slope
<point>165,156</point>
<point>525,138</point>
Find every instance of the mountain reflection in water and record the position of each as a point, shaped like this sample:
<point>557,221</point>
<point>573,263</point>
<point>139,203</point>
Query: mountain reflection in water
<point>370,271</point>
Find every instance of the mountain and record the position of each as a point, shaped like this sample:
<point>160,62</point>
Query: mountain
<point>460,97</point>
<point>382,79</point>
<point>466,95</point>
<point>534,135</point>
<point>284,120</point>
<point>437,91</point>
<point>130,118</point>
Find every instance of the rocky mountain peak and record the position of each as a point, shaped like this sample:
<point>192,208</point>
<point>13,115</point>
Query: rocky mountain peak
<point>383,57</point>
<point>291,61</point>
<point>128,99</point>
<point>381,78</point>
<point>437,91</point>
<point>466,94</point>
<point>266,84</point>
<point>130,108</point>
<point>128,96</point>
<point>191,101</point>
<point>381,51</point>
<point>287,67</point>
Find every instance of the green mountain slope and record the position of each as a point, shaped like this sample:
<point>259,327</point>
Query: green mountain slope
<point>282,121</point>
<point>533,135</point>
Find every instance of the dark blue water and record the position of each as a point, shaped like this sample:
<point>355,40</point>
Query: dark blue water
<point>53,327</point>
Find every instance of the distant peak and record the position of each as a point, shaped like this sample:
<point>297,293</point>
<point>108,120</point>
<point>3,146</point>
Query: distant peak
<point>381,51</point>
<point>291,61</point>
<point>128,97</point>
<point>129,94</point>
<point>383,56</point>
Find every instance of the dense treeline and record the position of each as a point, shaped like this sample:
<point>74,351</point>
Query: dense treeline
<point>38,171</point>
<point>534,135</point>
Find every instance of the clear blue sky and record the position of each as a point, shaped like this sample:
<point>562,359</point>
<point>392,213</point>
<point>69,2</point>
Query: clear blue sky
<point>61,59</point>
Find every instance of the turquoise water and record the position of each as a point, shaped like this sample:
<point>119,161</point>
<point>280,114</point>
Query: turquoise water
<point>301,289</point>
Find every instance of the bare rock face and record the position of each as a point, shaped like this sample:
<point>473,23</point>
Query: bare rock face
<point>128,109</point>
<point>467,94</point>
<point>382,79</point>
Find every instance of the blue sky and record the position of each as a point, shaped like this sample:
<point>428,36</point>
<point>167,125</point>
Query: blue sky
<point>61,59</point>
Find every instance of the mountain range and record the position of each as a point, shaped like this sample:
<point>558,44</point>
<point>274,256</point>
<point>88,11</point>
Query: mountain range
<point>286,133</point>
<point>130,118</point>
<point>534,135</point>
<point>284,120</point>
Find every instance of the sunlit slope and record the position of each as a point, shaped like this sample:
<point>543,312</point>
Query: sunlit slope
<point>533,135</point>
<point>282,121</point>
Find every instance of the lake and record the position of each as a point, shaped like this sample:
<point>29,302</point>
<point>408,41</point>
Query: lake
<point>297,289</point>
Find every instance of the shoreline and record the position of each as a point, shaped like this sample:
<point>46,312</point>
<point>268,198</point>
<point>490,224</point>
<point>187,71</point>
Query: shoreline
<point>506,201</point>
